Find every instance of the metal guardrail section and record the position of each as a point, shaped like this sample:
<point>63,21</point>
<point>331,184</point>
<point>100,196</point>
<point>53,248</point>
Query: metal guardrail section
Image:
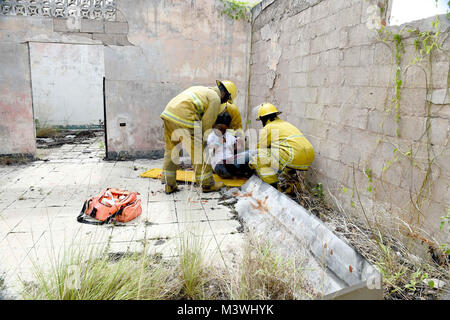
<point>289,226</point>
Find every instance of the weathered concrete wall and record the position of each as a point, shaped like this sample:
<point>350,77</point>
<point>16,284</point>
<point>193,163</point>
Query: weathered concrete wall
<point>319,62</point>
<point>17,34</point>
<point>16,115</point>
<point>176,44</point>
<point>67,84</point>
<point>152,51</point>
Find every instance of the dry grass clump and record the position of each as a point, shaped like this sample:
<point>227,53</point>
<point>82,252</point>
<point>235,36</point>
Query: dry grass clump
<point>387,246</point>
<point>267,275</point>
<point>192,269</point>
<point>132,277</point>
<point>2,287</point>
<point>262,274</point>
<point>15,159</point>
<point>47,132</point>
<point>406,276</point>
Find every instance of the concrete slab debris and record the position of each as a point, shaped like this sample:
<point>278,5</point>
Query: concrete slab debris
<point>331,264</point>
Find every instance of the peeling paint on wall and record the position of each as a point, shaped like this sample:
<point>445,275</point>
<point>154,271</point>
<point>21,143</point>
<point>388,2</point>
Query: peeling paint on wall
<point>274,54</point>
<point>16,125</point>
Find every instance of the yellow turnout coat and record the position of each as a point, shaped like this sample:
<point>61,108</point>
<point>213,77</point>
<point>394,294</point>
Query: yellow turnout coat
<point>281,145</point>
<point>194,104</point>
<point>191,108</point>
<point>236,119</point>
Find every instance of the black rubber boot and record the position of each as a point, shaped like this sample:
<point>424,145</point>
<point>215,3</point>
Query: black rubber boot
<point>170,189</point>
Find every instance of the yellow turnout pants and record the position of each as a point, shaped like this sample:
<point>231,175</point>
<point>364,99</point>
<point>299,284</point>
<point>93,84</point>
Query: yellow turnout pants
<point>175,134</point>
<point>265,165</point>
<point>269,166</point>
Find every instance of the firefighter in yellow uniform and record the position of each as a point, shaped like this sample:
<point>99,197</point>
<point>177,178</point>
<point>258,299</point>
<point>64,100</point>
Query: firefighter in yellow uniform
<point>281,146</point>
<point>235,127</point>
<point>186,119</point>
<point>236,119</point>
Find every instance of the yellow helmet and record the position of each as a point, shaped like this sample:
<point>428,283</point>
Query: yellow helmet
<point>231,88</point>
<point>266,109</point>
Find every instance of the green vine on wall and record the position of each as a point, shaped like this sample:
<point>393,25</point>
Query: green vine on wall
<point>445,221</point>
<point>426,44</point>
<point>399,51</point>
<point>237,9</point>
<point>448,10</point>
<point>398,276</point>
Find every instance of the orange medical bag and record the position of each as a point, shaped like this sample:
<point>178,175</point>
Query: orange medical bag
<point>111,205</point>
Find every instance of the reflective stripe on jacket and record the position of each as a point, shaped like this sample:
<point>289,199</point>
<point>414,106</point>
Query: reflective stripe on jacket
<point>194,104</point>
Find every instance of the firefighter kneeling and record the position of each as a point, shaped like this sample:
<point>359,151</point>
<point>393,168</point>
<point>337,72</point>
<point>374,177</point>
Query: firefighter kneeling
<point>281,147</point>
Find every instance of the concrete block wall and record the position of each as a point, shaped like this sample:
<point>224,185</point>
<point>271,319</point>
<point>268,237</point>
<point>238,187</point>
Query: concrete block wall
<point>325,69</point>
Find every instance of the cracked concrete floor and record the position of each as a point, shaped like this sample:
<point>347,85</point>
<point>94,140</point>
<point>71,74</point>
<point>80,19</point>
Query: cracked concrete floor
<point>39,203</point>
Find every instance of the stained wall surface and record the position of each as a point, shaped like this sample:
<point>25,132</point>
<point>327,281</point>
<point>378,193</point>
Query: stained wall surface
<point>173,45</point>
<point>16,115</point>
<point>150,50</point>
<point>57,39</point>
<point>323,64</point>
<point>67,82</point>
